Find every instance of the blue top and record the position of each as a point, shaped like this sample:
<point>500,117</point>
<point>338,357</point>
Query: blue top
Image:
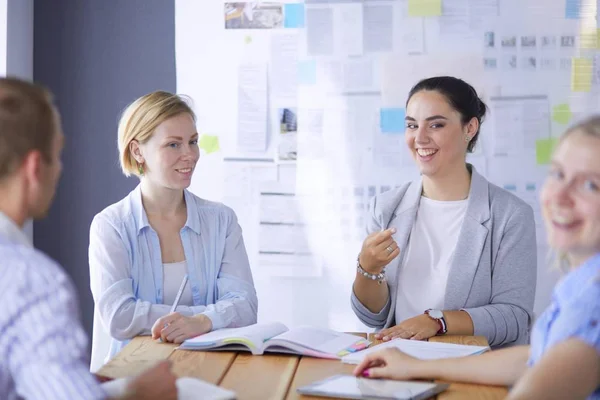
<point>126,269</point>
<point>573,313</point>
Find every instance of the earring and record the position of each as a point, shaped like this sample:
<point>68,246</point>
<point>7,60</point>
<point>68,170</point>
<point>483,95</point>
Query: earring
<point>467,138</point>
<point>141,169</point>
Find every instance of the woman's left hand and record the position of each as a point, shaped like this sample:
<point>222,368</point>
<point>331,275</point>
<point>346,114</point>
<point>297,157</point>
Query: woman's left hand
<point>420,327</point>
<point>175,328</point>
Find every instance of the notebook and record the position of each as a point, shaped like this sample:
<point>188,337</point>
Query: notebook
<point>187,389</point>
<point>420,349</point>
<point>277,338</point>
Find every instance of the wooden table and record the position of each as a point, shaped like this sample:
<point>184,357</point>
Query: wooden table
<point>263,377</point>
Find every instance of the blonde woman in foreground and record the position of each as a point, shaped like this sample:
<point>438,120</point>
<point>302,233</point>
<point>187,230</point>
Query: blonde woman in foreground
<point>563,360</point>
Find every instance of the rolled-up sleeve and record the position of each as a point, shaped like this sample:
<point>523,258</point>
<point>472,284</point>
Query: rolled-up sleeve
<point>237,303</point>
<point>507,319</point>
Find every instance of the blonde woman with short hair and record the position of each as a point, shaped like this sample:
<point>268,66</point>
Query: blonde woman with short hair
<point>142,247</point>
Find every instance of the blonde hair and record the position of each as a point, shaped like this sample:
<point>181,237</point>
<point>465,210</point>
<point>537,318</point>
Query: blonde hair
<point>591,127</point>
<point>140,119</point>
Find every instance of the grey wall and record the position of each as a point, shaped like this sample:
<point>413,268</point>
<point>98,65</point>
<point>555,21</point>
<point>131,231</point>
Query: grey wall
<point>96,57</point>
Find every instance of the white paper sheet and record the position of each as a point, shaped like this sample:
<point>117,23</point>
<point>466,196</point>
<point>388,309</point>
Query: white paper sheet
<point>518,122</point>
<point>378,28</point>
<point>419,349</point>
<point>252,108</point>
<point>454,22</point>
<point>350,17</point>
<point>187,389</point>
<point>319,31</point>
<point>283,74</point>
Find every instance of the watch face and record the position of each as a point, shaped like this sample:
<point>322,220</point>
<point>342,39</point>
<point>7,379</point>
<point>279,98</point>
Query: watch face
<point>437,314</point>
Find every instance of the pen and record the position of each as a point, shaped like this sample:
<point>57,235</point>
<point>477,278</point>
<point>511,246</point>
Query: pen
<point>177,297</point>
<point>179,293</point>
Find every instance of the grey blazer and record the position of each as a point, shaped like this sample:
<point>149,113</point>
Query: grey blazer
<point>494,267</point>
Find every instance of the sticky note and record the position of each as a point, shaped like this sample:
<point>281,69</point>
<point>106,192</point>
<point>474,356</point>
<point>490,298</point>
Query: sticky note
<point>424,8</point>
<point>248,39</point>
<point>544,149</point>
<point>307,72</point>
<point>572,9</point>
<point>561,113</point>
<point>209,143</point>
<point>581,74</point>
<point>293,15</point>
<point>391,120</point>
<point>588,38</point>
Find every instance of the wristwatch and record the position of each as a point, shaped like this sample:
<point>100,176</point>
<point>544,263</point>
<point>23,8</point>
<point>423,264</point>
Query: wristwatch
<point>438,315</point>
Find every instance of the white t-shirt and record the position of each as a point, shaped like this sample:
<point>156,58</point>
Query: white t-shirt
<point>173,274</point>
<point>423,276</point>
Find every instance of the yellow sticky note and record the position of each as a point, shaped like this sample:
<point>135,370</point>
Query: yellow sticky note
<point>588,38</point>
<point>424,8</point>
<point>581,74</point>
<point>561,113</point>
<point>209,144</point>
<point>544,149</point>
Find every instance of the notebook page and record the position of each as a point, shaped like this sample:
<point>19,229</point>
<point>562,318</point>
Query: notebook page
<point>420,349</point>
<point>322,340</point>
<point>256,333</point>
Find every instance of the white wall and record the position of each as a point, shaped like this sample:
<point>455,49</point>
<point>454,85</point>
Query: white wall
<point>208,61</point>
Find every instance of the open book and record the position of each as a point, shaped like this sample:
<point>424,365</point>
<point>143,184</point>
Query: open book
<point>277,338</point>
<point>420,349</point>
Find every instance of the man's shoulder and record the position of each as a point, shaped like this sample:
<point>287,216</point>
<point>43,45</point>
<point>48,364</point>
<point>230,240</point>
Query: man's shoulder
<point>25,266</point>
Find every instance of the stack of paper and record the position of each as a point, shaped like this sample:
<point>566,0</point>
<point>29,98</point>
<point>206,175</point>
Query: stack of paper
<point>419,349</point>
<point>187,389</point>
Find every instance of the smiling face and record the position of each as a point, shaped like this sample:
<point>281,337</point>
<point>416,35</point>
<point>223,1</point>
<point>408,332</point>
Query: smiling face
<point>435,133</point>
<point>170,155</point>
<point>571,197</point>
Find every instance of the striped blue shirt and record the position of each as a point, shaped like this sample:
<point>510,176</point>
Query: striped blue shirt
<point>43,348</point>
<point>573,313</point>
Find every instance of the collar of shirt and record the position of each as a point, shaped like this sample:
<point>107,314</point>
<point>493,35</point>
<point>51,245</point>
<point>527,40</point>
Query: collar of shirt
<point>192,222</point>
<point>579,277</point>
<point>10,231</point>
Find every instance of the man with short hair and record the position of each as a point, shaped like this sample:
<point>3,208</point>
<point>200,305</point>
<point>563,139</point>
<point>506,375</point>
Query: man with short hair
<point>43,348</point>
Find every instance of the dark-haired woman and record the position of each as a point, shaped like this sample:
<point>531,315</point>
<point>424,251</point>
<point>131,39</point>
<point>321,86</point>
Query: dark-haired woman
<point>450,253</point>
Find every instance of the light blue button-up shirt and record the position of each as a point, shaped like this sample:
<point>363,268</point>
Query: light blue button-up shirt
<point>126,270</point>
<point>573,313</point>
<point>43,347</point>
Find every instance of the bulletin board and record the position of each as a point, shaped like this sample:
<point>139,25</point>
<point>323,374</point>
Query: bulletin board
<point>300,109</point>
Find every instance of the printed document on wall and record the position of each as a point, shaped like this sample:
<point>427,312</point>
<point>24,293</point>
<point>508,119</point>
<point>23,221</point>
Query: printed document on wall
<point>519,122</point>
<point>252,108</point>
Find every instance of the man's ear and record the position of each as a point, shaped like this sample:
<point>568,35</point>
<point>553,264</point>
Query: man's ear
<point>32,166</point>
<point>136,151</point>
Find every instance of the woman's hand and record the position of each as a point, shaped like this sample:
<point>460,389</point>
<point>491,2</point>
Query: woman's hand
<point>388,364</point>
<point>175,328</point>
<point>420,327</point>
<point>378,249</point>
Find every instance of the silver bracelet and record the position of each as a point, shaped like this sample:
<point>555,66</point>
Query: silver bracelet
<point>380,277</point>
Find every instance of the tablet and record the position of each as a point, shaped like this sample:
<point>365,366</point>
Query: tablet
<point>351,387</point>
